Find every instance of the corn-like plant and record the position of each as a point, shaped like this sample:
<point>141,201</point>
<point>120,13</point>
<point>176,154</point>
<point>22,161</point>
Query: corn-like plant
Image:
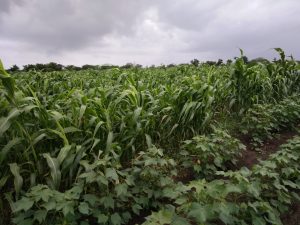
<point>62,132</point>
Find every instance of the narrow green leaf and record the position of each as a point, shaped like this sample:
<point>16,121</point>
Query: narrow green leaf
<point>8,147</point>
<point>18,180</point>
<point>54,170</point>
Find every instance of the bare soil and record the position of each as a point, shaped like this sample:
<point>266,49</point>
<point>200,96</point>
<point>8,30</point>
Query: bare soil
<point>293,216</point>
<point>251,156</point>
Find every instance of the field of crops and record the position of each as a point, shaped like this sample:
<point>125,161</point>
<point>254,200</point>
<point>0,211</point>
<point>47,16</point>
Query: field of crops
<point>150,146</point>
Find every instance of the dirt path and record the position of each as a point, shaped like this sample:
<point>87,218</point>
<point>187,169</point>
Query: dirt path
<point>251,157</point>
<point>293,216</point>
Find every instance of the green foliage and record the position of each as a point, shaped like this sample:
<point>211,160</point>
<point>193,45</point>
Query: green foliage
<point>104,192</point>
<point>212,152</point>
<point>258,196</point>
<point>49,67</point>
<point>8,83</point>
<point>263,120</point>
<point>87,138</point>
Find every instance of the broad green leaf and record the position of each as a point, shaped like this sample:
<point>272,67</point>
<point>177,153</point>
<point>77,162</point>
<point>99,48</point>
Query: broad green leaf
<point>177,220</point>
<point>101,218</point>
<point>257,220</point>
<point>49,205</point>
<point>111,173</point>
<point>23,204</point>
<point>136,208</point>
<point>121,189</point>
<point>198,212</point>
<point>91,199</point>
<point>164,217</point>
<point>83,208</point>
<point>40,215</point>
<point>108,202</point>
<point>68,208</point>
<point>116,219</point>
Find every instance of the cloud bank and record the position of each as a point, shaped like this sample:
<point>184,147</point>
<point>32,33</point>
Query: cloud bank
<point>145,32</point>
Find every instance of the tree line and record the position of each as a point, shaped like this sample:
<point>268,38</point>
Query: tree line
<point>52,66</point>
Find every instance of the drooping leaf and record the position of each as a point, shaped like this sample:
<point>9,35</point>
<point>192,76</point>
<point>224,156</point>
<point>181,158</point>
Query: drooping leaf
<point>5,150</point>
<point>18,180</point>
<point>5,122</point>
<point>53,164</point>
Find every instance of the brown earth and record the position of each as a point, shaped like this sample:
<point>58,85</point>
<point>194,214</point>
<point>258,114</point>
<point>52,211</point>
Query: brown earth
<point>251,156</point>
<point>293,216</point>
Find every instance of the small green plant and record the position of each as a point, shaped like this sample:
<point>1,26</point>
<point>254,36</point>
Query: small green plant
<point>213,152</point>
<point>264,120</point>
<point>104,193</point>
<point>89,132</point>
<point>257,196</point>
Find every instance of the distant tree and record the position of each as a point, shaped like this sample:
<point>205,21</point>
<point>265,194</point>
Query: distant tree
<point>107,66</point>
<point>229,61</point>
<point>162,66</point>
<point>86,67</point>
<point>127,66</point>
<point>29,67</point>
<point>52,66</point>
<point>183,64</point>
<point>49,67</point>
<point>211,63</point>
<point>171,65</point>
<point>258,60</point>
<point>40,66</point>
<point>72,68</point>
<point>195,62</point>
<point>14,68</point>
<point>219,62</point>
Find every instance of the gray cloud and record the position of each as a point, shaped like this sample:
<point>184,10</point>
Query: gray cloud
<point>57,25</point>
<point>220,27</point>
<point>143,31</point>
<point>7,4</point>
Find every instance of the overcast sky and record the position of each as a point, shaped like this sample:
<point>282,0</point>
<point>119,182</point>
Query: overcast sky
<point>145,31</point>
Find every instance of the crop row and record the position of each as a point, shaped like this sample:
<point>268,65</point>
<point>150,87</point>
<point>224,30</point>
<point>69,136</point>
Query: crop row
<point>91,140</point>
<point>258,196</point>
<point>264,120</point>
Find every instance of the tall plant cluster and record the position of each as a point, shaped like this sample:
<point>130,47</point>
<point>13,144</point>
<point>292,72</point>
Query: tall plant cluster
<point>92,140</point>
